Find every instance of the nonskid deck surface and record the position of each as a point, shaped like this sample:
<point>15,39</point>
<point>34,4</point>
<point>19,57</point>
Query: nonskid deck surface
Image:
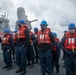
<point>33,71</point>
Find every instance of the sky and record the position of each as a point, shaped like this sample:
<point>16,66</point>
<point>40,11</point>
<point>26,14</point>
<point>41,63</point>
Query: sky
<point>58,13</point>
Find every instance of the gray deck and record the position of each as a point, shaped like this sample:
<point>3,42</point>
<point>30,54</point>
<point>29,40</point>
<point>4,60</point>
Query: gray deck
<point>34,71</point>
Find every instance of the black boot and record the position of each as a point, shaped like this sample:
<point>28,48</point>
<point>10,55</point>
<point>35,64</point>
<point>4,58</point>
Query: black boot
<point>43,73</point>
<point>28,63</point>
<point>68,73</point>
<point>75,73</point>
<point>10,67</point>
<point>64,64</point>
<point>23,72</point>
<point>31,66</point>
<point>36,61</point>
<point>5,67</point>
<point>57,70</point>
<point>19,70</point>
<point>57,73</point>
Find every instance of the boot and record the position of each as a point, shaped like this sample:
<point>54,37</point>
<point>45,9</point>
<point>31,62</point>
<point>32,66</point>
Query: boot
<point>31,66</point>
<point>28,63</point>
<point>10,67</point>
<point>68,73</point>
<point>36,61</point>
<point>57,70</point>
<point>64,64</point>
<point>14,61</point>
<point>5,67</point>
<point>57,73</point>
<point>23,72</point>
<point>19,70</point>
<point>43,73</point>
<point>73,73</point>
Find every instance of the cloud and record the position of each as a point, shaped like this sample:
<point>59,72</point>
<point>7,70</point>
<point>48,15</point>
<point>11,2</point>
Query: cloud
<point>58,13</point>
<point>6,5</point>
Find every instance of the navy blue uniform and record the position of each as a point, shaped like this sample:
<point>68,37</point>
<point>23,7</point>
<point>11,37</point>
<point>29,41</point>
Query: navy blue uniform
<point>21,50</point>
<point>45,55</point>
<point>7,51</point>
<point>30,51</point>
<point>70,59</point>
<point>56,56</point>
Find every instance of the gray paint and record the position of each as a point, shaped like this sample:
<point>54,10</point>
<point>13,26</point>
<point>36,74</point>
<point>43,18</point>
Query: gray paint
<point>22,15</point>
<point>4,23</point>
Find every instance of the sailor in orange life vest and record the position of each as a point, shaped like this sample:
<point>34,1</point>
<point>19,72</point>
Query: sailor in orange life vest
<point>23,38</point>
<point>7,45</point>
<point>69,46</point>
<point>36,45</point>
<point>46,43</point>
<point>56,53</point>
<point>30,51</point>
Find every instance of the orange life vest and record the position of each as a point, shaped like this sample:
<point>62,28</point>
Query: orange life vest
<point>20,33</point>
<point>5,39</point>
<point>56,40</point>
<point>70,42</point>
<point>30,36</point>
<point>43,37</point>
